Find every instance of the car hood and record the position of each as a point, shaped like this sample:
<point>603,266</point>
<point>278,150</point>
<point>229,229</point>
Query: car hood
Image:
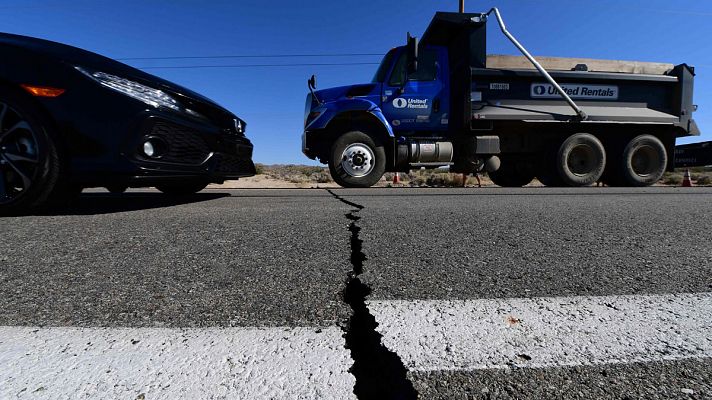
<point>86,59</point>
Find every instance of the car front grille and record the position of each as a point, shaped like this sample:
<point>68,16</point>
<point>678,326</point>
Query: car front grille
<point>185,146</point>
<point>233,165</point>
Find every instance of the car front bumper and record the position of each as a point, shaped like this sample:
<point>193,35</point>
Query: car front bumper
<point>191,149</point>
<point>103,135</point>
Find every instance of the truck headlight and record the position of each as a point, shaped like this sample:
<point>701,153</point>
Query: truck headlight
<point>148,95</point>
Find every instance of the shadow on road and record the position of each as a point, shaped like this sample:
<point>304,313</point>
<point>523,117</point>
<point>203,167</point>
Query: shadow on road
<point>527,191</point>
<point>106,203</point>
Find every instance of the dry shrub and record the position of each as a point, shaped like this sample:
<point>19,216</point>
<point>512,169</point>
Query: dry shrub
<point>444,180</point>
<point>672,178</point>
<point>297,173</point>
<point>322,177</point>
<point>704,180</point>
<point>417,180</point>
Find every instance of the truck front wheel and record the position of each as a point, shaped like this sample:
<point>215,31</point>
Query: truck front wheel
<point>644,161</point>
<point>581,160</point>
<point>357,160</point>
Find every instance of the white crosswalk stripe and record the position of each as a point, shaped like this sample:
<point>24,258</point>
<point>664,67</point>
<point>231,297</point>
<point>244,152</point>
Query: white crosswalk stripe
<point>301,363</point>
<point>230,363</point>
<point>546,332</point>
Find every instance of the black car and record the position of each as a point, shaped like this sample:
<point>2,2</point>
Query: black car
<point>71,119</point>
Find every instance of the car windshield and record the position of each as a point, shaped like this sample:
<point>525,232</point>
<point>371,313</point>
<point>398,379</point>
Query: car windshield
<point>384,67</point>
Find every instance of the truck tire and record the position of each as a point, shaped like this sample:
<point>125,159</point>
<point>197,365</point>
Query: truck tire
<point>581,160</point>
<point>547,173</point>
<point>512,174</point>
<point>644,161</point>
<point>357,160</point>
<point>30,164</point>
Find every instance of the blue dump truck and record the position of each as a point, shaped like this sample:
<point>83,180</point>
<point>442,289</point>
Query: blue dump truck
<point>443,102</point>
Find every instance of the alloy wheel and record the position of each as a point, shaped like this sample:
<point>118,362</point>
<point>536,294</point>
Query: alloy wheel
<point>19,155</point>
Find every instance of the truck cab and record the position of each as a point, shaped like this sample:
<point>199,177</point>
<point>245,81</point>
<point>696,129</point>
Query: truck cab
<point>417,101</point>
<point>443,102</point>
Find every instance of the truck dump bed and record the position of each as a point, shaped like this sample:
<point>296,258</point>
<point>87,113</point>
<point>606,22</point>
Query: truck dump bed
<point>509,88</point>
<point>615,97</point>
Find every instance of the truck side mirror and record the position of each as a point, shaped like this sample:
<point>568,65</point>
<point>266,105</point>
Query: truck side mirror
<point>312,82</point>
<point>412,54</point>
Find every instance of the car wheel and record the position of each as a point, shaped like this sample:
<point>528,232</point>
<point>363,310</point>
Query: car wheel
<point>30,167</point>
<point>644,161</point>
<point>357,160</point>
<point>182,189</point>
<point>581,160</point>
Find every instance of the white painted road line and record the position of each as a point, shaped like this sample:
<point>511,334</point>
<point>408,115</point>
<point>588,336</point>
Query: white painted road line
<point>123,363</point>
<point>545,332</point>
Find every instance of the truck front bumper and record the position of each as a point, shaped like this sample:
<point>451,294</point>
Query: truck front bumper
<point>310,144</point>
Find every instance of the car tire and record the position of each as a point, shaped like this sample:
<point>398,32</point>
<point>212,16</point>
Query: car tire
<point>512,174</point>
<point>644,161</point>
<point>581,160</point>
<point>357,160</point>
<point>182,189</point>
<point>31,168</point>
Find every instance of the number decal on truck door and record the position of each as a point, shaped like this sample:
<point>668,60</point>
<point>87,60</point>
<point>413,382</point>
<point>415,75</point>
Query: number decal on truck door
<point>499,86</point>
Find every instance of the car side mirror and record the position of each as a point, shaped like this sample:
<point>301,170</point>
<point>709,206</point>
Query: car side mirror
<point>412,54</point>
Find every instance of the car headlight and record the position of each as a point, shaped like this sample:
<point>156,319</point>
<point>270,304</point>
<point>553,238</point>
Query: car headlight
<point>152,97</point>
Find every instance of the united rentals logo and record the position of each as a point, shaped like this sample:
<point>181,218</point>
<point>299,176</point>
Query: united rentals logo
<point>410,103</point>
<point>575,91</point>
<point>400,103</point>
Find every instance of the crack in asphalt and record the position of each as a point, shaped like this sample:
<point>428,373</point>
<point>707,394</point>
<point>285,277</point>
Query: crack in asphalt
<point>379,372</point>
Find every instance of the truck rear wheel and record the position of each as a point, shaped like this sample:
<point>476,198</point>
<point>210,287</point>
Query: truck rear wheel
<point>581,160</point>
<point>357,160</point>
<point>512,174</point>
<point>644,161</point>
<point>546,172</point>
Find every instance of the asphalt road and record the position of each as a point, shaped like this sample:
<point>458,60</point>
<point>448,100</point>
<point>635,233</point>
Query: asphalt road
<point>282,259</point>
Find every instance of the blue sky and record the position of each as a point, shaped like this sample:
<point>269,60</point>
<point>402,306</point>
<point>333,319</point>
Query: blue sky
<point>271,99</point>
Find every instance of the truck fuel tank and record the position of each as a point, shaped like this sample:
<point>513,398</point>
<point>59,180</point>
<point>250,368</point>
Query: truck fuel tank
<point>429,151</point>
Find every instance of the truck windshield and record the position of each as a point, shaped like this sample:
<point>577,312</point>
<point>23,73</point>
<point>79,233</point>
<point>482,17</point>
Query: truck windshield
<point>384,67</point>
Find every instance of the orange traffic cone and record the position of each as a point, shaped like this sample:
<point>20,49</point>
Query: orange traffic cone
<point>396,178</point>
<point>686,181</point>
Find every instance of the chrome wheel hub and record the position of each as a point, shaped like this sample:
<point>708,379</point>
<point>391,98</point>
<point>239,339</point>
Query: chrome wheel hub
<point>358,160</point>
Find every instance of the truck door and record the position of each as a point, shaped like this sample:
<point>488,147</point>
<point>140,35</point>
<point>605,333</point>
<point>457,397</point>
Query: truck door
<point>420,101</point>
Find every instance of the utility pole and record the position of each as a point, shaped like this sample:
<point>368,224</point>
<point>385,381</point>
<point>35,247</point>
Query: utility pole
<point>462,6</point>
